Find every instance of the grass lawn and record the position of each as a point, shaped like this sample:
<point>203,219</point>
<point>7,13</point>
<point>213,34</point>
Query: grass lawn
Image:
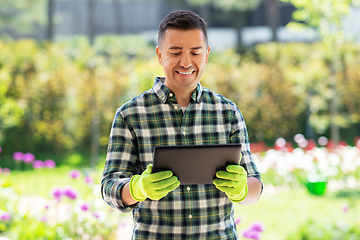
<point>281,210</point>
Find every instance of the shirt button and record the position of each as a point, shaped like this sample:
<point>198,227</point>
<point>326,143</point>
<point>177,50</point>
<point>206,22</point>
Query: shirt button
<point>190,216</point>
<point>188,188</point>
<point>176,107</point>
<point>184,133</point>
<point>171,94</point>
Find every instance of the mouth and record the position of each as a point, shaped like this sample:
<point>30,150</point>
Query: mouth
<point>188,73</point>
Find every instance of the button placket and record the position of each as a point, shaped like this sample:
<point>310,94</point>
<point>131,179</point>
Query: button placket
<point>188,191</point>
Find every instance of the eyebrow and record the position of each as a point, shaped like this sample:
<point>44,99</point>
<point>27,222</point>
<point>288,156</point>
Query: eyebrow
<point>193,48</point>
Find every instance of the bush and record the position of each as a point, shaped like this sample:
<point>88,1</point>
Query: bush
<point>327,231</point>
<point>56,91</point>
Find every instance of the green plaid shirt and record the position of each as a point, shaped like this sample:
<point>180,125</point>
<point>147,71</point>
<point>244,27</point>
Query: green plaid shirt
<point>154,118</point>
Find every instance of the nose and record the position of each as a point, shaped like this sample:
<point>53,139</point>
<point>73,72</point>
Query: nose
<point>185,61</point>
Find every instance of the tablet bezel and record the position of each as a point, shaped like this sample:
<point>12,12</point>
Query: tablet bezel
<point>195,164</point>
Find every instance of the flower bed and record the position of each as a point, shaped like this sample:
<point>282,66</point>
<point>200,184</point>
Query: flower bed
<point>74,209</point>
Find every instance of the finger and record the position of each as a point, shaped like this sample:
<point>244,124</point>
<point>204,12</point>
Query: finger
<point>227,190</point>
<point>236,169</point>
<point>164,191</point>
<point>164,183</point>
<point>170,187</point>
<point>160,176</point>
<point>225,183</point>
<point>228,176</point>
<point>148,169</point>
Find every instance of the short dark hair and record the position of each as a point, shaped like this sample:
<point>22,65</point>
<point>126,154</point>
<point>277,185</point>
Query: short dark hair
<point>182,20</point>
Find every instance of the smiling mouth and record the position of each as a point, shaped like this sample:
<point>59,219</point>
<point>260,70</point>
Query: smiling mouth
<point>185,73</point>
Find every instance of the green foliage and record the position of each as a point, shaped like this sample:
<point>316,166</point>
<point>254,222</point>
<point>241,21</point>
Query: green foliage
<point>340,230</point>
<point>37,215</point>
<point>324,15</point>
<point>54,90</point>
<point>10,111</point>
<point>21,15</point>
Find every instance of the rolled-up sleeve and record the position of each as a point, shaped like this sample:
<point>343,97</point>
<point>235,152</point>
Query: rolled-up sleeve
<point>120,163</point>
<point>240,135</point>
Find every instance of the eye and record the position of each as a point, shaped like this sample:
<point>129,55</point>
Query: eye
<point>175,54</point>
<point>195,54</point>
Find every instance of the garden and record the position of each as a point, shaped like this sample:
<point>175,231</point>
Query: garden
<point>311,191</point>
<point>57,102</point>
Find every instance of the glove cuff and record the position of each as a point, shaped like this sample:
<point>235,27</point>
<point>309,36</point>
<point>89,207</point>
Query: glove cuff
<point>241,196</point>
<point>135,190</point>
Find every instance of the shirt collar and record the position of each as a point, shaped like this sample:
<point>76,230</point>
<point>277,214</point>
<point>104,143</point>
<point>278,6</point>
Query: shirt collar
<point>163,92</point>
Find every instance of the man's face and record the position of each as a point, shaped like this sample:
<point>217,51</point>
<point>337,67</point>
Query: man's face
<point>183,55</point>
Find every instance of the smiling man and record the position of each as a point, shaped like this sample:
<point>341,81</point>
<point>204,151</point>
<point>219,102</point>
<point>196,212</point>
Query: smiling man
<point>183,54</point>
<point>178,111</point>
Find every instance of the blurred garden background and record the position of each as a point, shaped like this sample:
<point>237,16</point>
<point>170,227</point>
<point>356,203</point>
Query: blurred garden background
<point>292,67</point>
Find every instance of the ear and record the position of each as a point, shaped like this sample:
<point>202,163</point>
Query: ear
<point>159,55</point>
<point>207,54</point>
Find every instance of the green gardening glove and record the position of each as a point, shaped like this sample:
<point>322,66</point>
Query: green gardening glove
<point>233,182</point>
<point>152,185</point>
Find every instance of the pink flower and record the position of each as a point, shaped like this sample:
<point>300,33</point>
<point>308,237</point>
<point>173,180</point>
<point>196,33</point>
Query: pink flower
<point>251,234</point>
<point>0,169</point>
<point>49,163</point>
<point>257,226</point>
<point>74,173</point>
<point>85,207</point>
<point>6,171</point>
<point>345,208</point>
<point>237,221</point>
<point>96,215</point>
<point>28,157</point>
<point>89,179</point>
<point>0,149</point>
<point>57,193</point>
<point>38,164</point>
<point>70,192</point>
<point>5,216</point>
<point>123,223</point>
<point>18,156</point>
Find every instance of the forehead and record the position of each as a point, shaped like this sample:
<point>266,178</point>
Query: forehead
<point>183,38</point>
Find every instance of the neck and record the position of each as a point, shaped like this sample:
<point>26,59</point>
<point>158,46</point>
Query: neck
<point>183,99</point>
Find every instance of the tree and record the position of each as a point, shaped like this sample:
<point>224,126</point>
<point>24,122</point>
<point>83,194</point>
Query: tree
<point>19,17</point>
<point>272,12</point>
<point>234,7</point>
<point>272,16</point>
<point>10,109</point>
<point>117,16</point>
<point>50,23</point>
<point>326,17</point>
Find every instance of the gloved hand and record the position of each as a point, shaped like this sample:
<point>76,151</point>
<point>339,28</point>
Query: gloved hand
<point>152,185</point>
<point>233,182</point>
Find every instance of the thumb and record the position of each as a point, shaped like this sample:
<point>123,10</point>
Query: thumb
<point>149,168</point>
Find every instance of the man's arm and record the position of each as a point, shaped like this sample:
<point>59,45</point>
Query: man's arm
<point>254,191</point>
<point>126,196</point>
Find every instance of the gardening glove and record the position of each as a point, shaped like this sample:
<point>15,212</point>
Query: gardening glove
<point>233,182</point>
<point>152,185</point>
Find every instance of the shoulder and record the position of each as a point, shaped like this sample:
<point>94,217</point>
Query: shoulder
<point>208,96</point>
<point>138,104</point>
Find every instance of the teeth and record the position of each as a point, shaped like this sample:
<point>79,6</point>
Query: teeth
<point>186,73</point>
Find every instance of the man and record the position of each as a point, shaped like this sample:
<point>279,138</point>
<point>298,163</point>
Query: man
<point>178,111</point>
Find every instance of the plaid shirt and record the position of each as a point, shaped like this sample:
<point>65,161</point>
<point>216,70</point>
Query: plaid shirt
<point>154,118</point>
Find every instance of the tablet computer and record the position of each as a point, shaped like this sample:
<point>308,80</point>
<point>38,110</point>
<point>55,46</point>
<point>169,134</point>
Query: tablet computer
<point>195,164</point>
